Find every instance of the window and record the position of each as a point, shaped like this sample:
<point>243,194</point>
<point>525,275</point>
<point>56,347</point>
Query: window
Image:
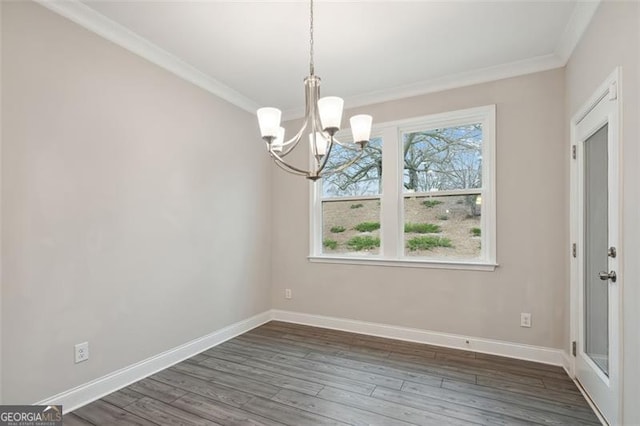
<point>422,194</point>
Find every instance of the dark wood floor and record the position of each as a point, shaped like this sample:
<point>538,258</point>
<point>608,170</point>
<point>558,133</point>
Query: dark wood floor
<point>296,375</point>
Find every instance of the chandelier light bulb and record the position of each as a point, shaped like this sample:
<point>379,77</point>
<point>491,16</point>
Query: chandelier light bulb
<point>278,142</point>
<point>321,144</point>
<point>330,110</point>
<point>269,121</point>
<point>361,127</point>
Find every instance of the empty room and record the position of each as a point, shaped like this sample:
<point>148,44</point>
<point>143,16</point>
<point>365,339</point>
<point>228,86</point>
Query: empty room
<point>319,212</point>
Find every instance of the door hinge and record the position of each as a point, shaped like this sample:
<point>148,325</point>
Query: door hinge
<point>574,250</point>
<point>573,152</point>
<point>573,348</point>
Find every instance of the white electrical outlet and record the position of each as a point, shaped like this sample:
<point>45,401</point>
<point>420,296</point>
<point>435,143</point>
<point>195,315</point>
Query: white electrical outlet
<point>287,293</point>
<point>525,320</point>
<point>82,352</point>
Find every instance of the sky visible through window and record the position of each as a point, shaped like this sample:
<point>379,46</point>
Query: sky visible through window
<point>434,160</point>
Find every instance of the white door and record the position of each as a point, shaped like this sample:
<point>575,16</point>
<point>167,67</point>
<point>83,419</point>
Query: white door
<point>596,226</point>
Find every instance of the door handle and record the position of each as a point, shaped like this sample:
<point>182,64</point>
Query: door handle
<point>604,276</point>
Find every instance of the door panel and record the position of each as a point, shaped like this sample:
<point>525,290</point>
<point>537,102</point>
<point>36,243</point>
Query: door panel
<point>596,240</point>
<point>595,227</point>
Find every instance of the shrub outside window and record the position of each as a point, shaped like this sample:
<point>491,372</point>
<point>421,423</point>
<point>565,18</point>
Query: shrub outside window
<point>425,197</point>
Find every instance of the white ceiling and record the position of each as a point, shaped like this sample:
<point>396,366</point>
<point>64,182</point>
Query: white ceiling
<point>256,53</point>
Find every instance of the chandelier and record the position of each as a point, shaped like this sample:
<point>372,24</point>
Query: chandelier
<point>322,120</point>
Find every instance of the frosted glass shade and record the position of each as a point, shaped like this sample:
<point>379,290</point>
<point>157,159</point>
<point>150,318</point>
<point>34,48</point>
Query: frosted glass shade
<point>278,142</point>
<point>361,127</point>
<point>330,110</point>
<point>321,144</point>
<point>269,121</point>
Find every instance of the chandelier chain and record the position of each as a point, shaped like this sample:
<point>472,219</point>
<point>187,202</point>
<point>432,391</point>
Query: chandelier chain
<point>311,64</point>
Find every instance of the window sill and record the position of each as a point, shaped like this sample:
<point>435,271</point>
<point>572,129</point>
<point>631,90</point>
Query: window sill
<point>405,263</point>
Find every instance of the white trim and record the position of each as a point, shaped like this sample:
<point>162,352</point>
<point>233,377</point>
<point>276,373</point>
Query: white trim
<point>449,82</point>
<point>595,410</point>
<point>404,262</point>
<point>578,23</point>
<point>488,346</point>
<point>567,363</point>
<point>580,364</point>
<point>392,196</point>
<point>96,389</point>
<point>88,18</point>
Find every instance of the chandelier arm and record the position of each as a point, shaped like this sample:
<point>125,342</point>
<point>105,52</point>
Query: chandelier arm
<point>344,166</point>
<point>322,165</point>
<point>284,166</point>
<point>288,167</point>
<point>292,143</point>
<point>348,145</point>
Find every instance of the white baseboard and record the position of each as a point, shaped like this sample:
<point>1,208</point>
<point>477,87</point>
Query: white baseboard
<point>96,389</point>
<point>495,347</point>
<point>567,363</point>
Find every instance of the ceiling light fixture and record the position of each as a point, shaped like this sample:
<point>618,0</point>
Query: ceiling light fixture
<point>322,118</point>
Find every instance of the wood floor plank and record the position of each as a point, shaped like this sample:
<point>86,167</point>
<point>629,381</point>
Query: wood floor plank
<point>165,414</point>
<point>123,397</point>
<point>534,402</point>
<point>73,420</point>
<point>231,380</point>
<point>314,376</point>
<point>221,413</point>
<point>288,415</point>
<point>517,368</point>
<point>469,367</point>
<point>335,410</point>
<point>280,380</point>
<point>219,353</point>
<point>302,341</point>
<point>518,388</point>
<point>461,412</point>
<point>287,374</point>
<point>391,409</point>
<point>204,388</point>
<point>157,390</point>
<point>102,413</point>
<point>503,408</point>
<point>340,370</point>
<point>280,346</point>
<point>390,370</point>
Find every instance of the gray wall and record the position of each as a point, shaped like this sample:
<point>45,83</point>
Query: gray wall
<point>613,39</point>
<point>125,220</point>
<point>532,213</point>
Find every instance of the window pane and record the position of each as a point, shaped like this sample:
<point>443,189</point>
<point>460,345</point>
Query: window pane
<point>364,177</point>
<point>443,159</point>
<point>351,227</point>
<point>444,228</point>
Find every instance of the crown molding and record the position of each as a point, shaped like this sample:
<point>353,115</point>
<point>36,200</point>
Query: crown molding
<point>88,18</point>
<point>577,25</point>
<point>454,81</point>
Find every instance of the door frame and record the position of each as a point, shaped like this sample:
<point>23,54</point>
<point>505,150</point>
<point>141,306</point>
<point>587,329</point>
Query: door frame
<point>612,84</point>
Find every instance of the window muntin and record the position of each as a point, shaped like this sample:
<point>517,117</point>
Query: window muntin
<point>452,161</point>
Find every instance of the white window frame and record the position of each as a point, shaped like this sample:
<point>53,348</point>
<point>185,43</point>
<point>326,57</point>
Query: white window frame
<point>392,196</point>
